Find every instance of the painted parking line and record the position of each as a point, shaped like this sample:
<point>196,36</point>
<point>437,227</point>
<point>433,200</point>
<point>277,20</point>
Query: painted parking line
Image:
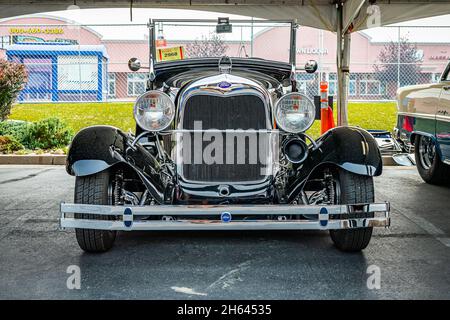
<point>427,226</point>
<point>445,241</point>
<point>188,291</point>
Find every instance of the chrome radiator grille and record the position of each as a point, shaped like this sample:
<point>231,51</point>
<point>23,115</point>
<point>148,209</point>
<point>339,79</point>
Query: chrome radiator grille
<point>215,112</point>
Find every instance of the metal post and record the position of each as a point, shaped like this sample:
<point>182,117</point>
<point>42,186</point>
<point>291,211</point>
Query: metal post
<point>251,40</point>
<point>151,53</point>
<point>80,96</point>
<point>293,47</point>
<point>152,40</point>
<point>321,76</point>
<point>343,69</point>
<point>293,55</point>
<point>398,57</point>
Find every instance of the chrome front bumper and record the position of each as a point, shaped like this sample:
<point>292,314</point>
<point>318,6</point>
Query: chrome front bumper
<point>228,217</point>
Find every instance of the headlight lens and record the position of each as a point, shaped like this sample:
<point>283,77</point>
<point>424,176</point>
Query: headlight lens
<point>294,112</point>
<point>154,111</point>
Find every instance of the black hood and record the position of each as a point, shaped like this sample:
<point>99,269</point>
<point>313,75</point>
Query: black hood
<point>176,73</point>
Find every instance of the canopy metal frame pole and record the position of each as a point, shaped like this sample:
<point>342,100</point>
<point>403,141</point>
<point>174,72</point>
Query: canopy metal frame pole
<point>343,68</point>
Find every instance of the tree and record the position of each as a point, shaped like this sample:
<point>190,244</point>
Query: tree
<point>207,46</point>
<point>391,72</point>
<point>12,79</point>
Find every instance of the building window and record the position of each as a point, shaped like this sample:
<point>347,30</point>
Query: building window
<point>136,83</point>
<point>39,84</point>
<point>369,87</point>
<point>352,85</point>
<point>5,40</point>
<point>78,73</point>
<point>332,84</point>
<point>333,88</point>
<point>111,85</point>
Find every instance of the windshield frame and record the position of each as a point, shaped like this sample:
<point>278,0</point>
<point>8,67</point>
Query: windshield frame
<point>153,23</point>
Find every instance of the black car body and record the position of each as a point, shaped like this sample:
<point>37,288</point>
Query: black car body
<point>268,175</point>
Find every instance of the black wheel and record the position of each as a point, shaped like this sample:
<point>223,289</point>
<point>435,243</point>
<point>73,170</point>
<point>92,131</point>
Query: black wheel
<point>353,188</point>
<point>94,189</point>
<point>430,167</point>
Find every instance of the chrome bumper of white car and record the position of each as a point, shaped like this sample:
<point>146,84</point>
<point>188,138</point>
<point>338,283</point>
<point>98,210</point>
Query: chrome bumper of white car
<point>227,217</point>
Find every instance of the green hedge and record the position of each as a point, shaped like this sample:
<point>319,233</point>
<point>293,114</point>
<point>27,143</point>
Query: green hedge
<point>17,129</point>
<point>9,144</point>
<point>46,134</point>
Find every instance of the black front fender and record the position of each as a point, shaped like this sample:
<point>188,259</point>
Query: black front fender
<point>349,148</point>
<point>98,148</point>
<point>90,150</point>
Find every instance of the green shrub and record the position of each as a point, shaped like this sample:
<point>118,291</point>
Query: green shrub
<point>12,79</point>
<point>17,129</point>
<point>47,134</point>
<point>9,144</point>
<point>23,152</point>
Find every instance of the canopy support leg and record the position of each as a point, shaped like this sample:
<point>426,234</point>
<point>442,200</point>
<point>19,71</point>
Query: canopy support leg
<point>343,70</point>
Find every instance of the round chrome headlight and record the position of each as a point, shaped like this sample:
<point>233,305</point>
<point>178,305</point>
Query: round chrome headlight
<point>294,112</point>
<point>154,111</point>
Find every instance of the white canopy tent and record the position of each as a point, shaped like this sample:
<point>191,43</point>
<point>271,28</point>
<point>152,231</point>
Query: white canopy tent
<point>340,16</point>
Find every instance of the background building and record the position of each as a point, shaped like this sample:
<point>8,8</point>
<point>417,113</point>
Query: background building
<point>62,71</point>
<point>71,62</point>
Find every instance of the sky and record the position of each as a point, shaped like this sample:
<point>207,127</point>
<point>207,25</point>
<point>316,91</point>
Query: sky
<point>141,16</point>
<point>422,31</point>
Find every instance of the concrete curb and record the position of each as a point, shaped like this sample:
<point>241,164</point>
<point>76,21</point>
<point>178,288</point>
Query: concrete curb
<point>44,159</point>
<point>59,159</point>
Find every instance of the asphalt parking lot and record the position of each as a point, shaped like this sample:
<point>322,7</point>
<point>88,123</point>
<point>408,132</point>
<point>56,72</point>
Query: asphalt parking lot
<point>413,255</point>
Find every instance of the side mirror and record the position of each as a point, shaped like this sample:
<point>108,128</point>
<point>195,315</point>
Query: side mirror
<point>311,66</point>
<point>134,64</point>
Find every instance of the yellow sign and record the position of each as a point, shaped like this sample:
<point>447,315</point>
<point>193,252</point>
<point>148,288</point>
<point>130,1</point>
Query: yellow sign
<point>170,54</point>
<point>36,30</point>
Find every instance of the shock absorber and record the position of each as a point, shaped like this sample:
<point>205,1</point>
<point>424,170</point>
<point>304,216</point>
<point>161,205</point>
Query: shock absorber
<point>118,184</point>
<point>329,187</point>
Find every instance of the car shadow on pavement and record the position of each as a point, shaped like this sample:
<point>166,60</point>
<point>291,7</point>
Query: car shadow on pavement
<point>226,264</point>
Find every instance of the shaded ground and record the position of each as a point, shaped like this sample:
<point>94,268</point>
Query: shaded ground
<point>413,255</point>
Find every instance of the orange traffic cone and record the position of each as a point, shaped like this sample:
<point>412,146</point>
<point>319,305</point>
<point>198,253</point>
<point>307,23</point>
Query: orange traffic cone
<point>326,112</point>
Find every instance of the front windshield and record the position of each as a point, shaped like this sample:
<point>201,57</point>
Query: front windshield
<point>254,39</point>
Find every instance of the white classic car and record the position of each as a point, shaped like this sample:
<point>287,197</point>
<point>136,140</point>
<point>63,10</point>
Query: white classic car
<point>424,122</point>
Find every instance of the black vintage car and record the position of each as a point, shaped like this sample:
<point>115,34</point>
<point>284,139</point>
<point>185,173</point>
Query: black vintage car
<point>220,144</point>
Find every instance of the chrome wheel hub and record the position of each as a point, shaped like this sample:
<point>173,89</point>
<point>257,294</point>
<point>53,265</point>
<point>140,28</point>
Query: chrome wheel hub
<point>427,152</point>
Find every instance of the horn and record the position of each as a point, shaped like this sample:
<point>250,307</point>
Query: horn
<point>295,149</point>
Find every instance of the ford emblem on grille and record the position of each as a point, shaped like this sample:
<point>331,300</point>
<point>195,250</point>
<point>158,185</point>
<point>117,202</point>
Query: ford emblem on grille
<point>224,85</point>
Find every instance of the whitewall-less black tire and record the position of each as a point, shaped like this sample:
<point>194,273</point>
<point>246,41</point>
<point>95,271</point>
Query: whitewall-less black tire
<point>94,189</point>
<point>353,188</point>
<point>430,167</point>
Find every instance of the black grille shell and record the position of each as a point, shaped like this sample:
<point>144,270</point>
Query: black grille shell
<point>225,112</point>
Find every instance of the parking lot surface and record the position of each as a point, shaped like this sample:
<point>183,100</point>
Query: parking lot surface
<point>413,255</point>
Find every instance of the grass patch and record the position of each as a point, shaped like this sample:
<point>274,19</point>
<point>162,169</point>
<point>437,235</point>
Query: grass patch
<point>368,115</point>
<point>79,115</point>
